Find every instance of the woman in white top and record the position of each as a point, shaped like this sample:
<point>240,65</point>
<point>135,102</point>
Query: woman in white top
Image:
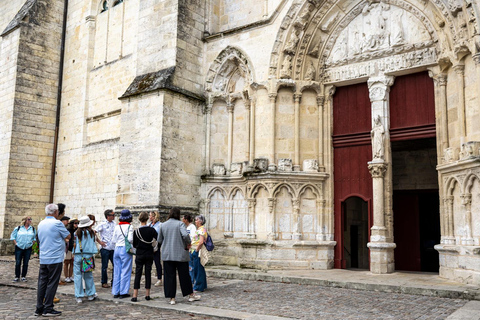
<point>188,221</point>
<point>121,259</point>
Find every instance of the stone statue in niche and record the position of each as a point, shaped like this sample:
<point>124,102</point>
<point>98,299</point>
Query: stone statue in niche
<point>291,45</point>
<point>378,135</point>
<point>310,73</point>
<point>218,169</point>
<point>286,71</point>
<point>376,35</point>
<point>315,49</point>
<point>304,16</point>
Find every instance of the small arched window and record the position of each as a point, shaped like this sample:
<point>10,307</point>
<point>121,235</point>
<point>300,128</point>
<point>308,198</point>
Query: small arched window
<point>104,6</point>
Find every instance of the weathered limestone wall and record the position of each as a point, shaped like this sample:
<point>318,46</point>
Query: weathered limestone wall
<point>182,152</point>
<point>8,73</point>
<point>99,65</point>
<point>34,110</point>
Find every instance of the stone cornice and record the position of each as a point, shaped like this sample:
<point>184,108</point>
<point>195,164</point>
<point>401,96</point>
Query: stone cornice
<point>159,80</point>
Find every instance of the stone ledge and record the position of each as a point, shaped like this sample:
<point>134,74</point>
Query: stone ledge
<point>159,80</point>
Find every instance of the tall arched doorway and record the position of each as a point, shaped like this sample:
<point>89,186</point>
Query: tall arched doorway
<point>355,233</point>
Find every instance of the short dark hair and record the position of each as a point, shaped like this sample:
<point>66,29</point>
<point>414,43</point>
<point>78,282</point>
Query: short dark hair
<point>108,212</point>
<point>174,213</point>
<point>188,218</point>
<point>61,208</point>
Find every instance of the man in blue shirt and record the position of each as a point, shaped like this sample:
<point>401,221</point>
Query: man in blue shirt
<point>51,236</point>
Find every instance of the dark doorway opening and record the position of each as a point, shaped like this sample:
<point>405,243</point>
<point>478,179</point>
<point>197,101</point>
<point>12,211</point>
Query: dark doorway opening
<point>355,233</point>
<point>416,207</point>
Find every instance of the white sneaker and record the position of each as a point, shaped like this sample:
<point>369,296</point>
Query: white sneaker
<point>158,283</point>
<point>193,297</point>
<point>15,280</point>
<point>24,279</point>
<point>79,300</point>
<point>68,280</point>
<point>91,298</point>
<point>172,301</point>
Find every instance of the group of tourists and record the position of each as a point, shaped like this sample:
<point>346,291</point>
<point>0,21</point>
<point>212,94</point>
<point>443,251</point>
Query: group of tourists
<point>71,245</point>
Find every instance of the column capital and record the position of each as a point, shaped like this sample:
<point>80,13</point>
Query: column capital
<point>378,87</point>
<point>459,69</point>
<point>377,170</point>
<point>466,199</point>
<point>297,97</point>
<point>320,101</point>
<point>207,109</point>
<point>272,96</point>
<point>330,91</point>
<point>230,106</point>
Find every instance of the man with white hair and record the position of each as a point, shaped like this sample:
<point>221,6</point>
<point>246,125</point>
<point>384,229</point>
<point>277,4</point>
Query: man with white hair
<point>51,236</point>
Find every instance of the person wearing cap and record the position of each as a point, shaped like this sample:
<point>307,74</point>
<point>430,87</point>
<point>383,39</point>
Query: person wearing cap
<point>51,235</point>
<point>84,247</point>
<point>105,231</point>
<point>122,260</point>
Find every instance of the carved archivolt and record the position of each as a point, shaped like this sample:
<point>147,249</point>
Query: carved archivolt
<point>320,35</point>
<point>231,73</point>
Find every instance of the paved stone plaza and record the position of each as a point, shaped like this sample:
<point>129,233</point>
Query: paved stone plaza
<point>227,299</point>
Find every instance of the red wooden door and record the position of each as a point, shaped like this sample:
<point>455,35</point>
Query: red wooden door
<point>352,151</point>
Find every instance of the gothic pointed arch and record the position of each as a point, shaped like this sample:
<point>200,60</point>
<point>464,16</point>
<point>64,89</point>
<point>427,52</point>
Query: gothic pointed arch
<point>229,74</point>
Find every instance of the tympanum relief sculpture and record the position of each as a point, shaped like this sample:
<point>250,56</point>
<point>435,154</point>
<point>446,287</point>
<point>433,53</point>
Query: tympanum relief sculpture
<point>380,27</point>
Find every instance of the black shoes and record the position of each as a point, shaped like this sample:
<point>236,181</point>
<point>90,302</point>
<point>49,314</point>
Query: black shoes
<point>148,298</point>
<point>126,295</point>
<point>38,312</point>
<point>116,296</point>
<point>134,299</point>
<point>51,313</point>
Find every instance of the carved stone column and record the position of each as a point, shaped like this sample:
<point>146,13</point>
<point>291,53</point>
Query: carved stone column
<point>322,229</point>
<point>248,127</point>
<point>296,162</point>
<point>230,135</point>
<point>460,71</point>
<point>207,211</point>
<point>271,219</point>
<point>252,131</point>
<point>381,245</point>
<point>320,102</point>
<point>208,114</point>
<point>228,220</point>
<point>273,98</point>
<point>328,128</point>
<point>296,219</point>
<point>467,202</point>
<point>448,236</point>
<point>250,234</point>
<point>441,100</point>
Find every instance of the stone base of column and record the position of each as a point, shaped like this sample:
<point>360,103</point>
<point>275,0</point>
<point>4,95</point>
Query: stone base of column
<point>379,234</point>
<point>381,257</point>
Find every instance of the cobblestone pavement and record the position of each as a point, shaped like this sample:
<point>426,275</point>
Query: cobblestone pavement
<point>254,297</point>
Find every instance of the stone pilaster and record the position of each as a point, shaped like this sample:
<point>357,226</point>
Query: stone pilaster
<point>321,162</point>
<point>250,234</point>
<point>208,115</point>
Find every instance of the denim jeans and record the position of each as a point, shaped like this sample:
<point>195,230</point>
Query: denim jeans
<point>19,255</point>
<point>106,255</point>
<point>78,275</point>
<point>199,275</point>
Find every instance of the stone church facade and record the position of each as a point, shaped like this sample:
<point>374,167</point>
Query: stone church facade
<point>311,134</point>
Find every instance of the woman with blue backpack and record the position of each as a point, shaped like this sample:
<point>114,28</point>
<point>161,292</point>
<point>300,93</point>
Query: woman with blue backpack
<point>198,240</point>
<point>23,237</point>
